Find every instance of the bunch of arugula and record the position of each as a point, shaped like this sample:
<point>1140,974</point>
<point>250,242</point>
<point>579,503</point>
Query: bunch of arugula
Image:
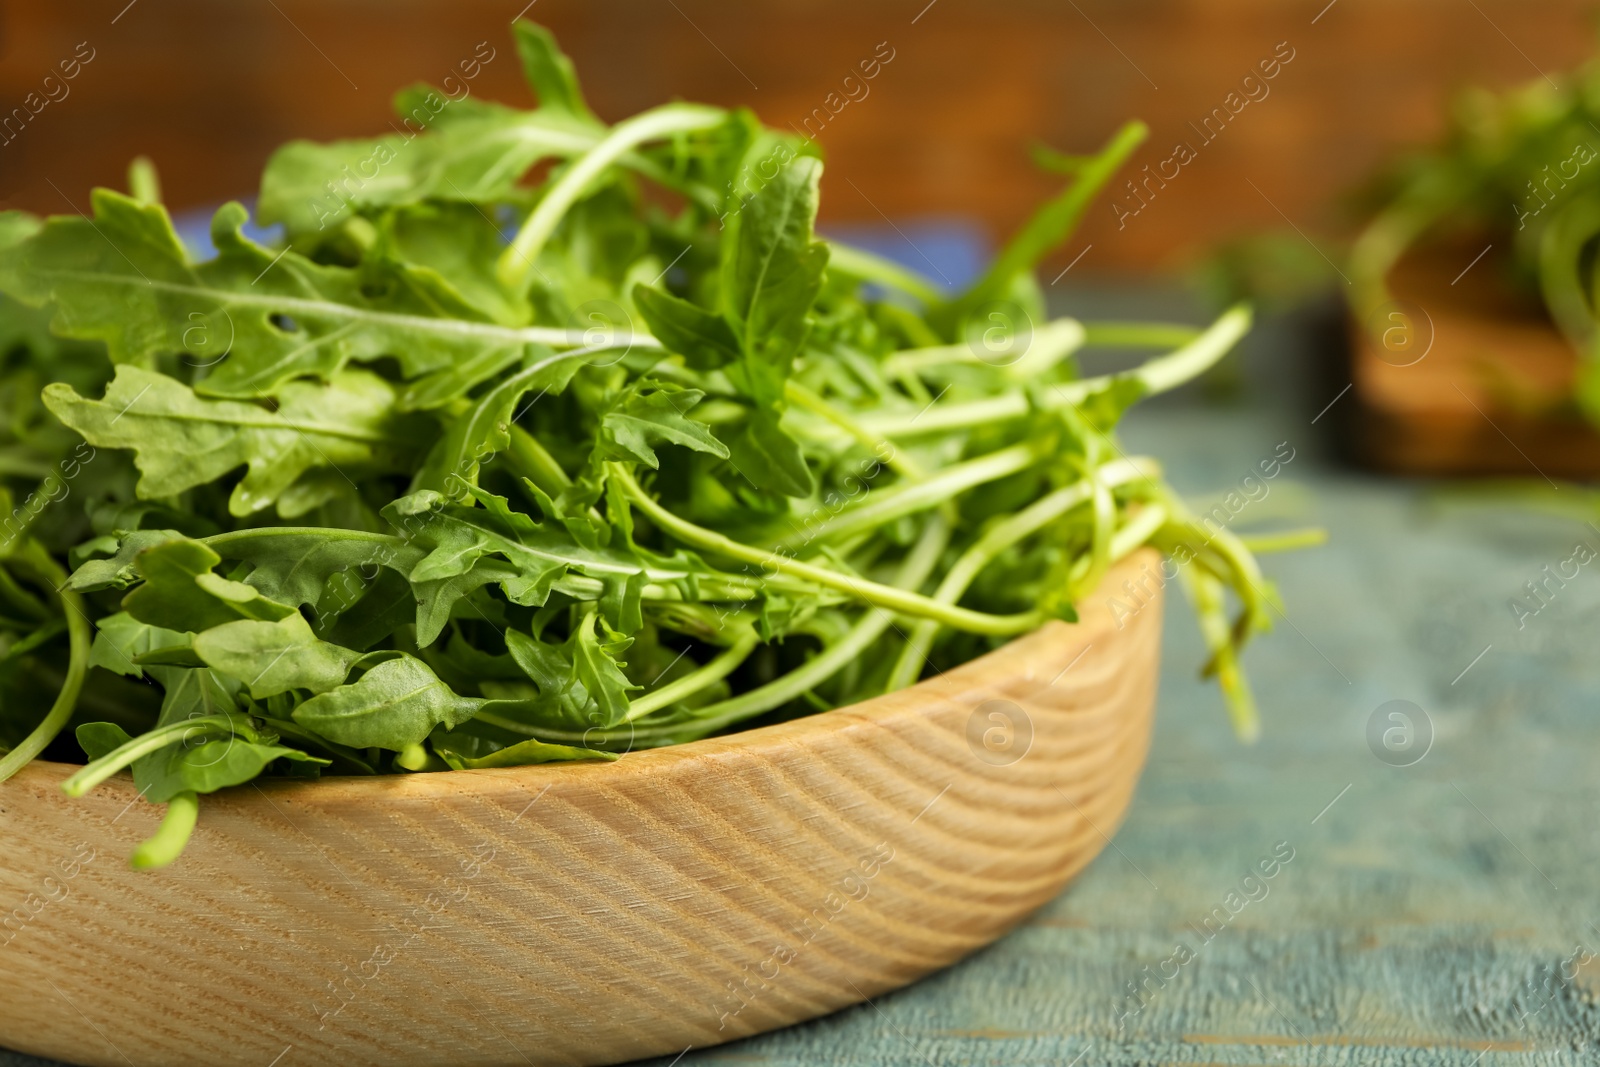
<point>402,494</point>
<point>1519,170</point>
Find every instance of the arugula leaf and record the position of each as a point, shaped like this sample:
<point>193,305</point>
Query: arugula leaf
<point>120,640</point>
<point>521,754</point>
<point>549,72</point>
<point>395,705</point>
<point>485,428</point>
<point>275,657</point>
<point>181,592</point>
<point>123,277</point>
<point>181,440</point>
<point>647,416</point>
<point>704,339</point>
<point>581,681</point>
<point>771,273</point>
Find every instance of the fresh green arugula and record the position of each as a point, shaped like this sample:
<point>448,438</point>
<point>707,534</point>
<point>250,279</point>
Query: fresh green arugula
<point>1519,170</point>
<point>495,460</point>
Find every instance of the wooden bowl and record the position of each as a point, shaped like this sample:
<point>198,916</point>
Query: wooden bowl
<point>1484,388</point>
<point>579,914</point>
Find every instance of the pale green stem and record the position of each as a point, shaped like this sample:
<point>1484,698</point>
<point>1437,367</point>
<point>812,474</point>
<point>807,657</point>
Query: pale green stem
<point>1205,591</point>
<point>887,505</point>
<point>878,446</point>
<point>167,843</point>
<point>1049,344</point>
<point>143,745</point>
<point>1138,334</point>
<point>143,182</point>
<point>995,540</point>
<point>1157,376</point>
<point>870,592</point>
<point>719,668</point>
<point>517,260</point>
<point>1103,523</point>
<point>1138,531</point>
<point>1287,541</point>
<point>919,563</point>
<point>874,268</point>
<point>55,720</point>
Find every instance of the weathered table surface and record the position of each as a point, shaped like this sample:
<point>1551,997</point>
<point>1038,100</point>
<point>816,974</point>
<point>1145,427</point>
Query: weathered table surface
<point>1430,914</point>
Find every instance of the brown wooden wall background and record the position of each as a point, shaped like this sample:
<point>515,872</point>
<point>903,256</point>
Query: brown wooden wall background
<point>208,87</point>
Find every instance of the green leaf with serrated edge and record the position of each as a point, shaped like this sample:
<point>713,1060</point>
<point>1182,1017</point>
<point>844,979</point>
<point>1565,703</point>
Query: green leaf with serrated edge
<point>180,591</point>
<point>462,150</point>
<point>521,754</point>
<point>597,667</point>
<point>394,705</point>
<point>124,278</point>
<point>200,761</point>
<point>275,657</point>
<point>540,554</point>
<point>293,566</point>
<point>563,699</point>
<point>656,414</point>
<point>484,428</point>
<point>181,440</point>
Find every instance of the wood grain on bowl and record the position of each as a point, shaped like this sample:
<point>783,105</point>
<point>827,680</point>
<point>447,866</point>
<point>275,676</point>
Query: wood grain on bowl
<point>580,914</point>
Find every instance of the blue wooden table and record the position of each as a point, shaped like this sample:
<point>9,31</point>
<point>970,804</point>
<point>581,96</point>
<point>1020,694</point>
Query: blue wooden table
<point>1441,912</point>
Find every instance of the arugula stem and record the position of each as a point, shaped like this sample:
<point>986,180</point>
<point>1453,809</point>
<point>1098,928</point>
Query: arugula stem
<point>1287,541</point>
<point>35,558</point>
<point>871,267</point>
<point>889,504</point>
<point>918,564</point>
<point>516,262</point>
<point>719,668</point>
<point>1205,592</point>
<point>1053,223</point>
<point>995,540</point>
<point>1103,523</point>
<point>20,598</point>
<point>153,741</point>
<point>167,843</point>
<point>870,592</point>
<point>1156,376</point>
<point>143,183</point>
<point>878,446</point>
<point>1050,344</point>
<point>1138,334</point>
<point>533,460</point>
